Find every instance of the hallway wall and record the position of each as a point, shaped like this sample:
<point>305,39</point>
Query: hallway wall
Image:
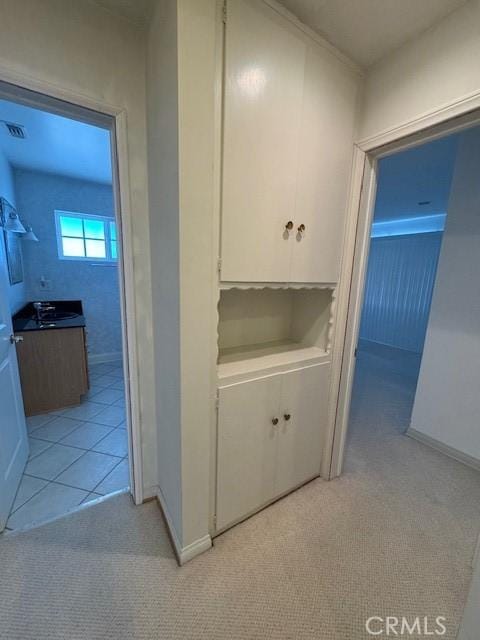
<point>398,292</point>
<point>436,68</point>
<point>88,51</point>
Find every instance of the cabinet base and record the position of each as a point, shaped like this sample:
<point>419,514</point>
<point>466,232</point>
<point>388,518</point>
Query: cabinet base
<point>218,532</point>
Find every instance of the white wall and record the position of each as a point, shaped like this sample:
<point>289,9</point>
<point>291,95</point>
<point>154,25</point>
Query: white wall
<point>436,68</point>
<point>162,127</point>
<point>447,403</point>
<point>78,46</point>
<point>181,83</point>
<point>197,24</point>
<point>17,292</point>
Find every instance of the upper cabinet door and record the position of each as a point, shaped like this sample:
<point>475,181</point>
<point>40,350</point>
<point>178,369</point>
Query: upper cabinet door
<point>303,421</point>
<point>325,162</point>
<point>263,87</point>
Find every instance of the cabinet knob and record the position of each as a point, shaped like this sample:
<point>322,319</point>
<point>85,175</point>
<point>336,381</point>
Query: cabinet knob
<point>289,225</point>
<point>287,416</point>
<point>15,339</point>
<point>301,228</point>
<point>274,421</point>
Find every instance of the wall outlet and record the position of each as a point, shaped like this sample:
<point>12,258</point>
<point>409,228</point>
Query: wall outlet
<point>45,285</point>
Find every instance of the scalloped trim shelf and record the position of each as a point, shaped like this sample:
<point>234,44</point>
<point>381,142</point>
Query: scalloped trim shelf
<point>240,363</point>
<point>277,285</point>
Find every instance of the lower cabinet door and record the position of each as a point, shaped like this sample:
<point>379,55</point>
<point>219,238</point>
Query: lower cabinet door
<point>247,444</point>
<point>303,420</point>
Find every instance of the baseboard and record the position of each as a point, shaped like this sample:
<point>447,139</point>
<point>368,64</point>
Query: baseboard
<point>100,358</point>
<point>183,554</point>
<point>451,452</point>
<point>149,493</point>
<point>195,549</point>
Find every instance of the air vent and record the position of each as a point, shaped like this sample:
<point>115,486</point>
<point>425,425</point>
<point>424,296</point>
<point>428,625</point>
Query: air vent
<point>15,130</point>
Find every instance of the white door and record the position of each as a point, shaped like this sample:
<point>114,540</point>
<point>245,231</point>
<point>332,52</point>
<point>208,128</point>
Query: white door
<point>303,414</point>
<point>247,446</point>
<point>325,161</point>
<point>264,67</point>
<point>13,432</point>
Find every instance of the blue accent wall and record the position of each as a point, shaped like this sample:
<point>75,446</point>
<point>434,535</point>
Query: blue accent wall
<point>38,195</point>
<point>17,293</point>
<point>399,286</point>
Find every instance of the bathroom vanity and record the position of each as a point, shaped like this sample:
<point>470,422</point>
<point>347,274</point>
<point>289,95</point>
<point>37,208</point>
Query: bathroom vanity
<point>52,355</point>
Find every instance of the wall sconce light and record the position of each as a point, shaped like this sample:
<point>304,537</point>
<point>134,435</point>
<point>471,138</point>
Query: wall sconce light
<point>10,221</point>
<point>29,235</point>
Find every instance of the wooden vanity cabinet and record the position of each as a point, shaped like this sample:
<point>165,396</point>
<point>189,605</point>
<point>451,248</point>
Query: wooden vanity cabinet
<point>53,368</point>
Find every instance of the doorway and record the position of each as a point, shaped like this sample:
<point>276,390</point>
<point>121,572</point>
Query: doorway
<point>70,429</point>
<point>410,213</point>
<point>362,205</point>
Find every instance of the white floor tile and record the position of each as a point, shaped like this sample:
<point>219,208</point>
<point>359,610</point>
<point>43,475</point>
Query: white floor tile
<point>119,384</point>
<point>84,411</point>
<point>100,368</point>
<point>114,444</point>
<point>108,396</point>
<point>94,388</point>
<point>110,416</point>
<point>28,487</point>
<point>57,429</point>
<point>34,422</point>
<point>116,373</point>
<point>116,479</point>
<point>88,471</point>
<point>105,380</point>
<point>92,496</point>
<point>37,446</point>
<point>87,435</point>
<point>53,500</point>
<point>53,461</point>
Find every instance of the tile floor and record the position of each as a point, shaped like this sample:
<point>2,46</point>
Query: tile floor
<point>76,454</point>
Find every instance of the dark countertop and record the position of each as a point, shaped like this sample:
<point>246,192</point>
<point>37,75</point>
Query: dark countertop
<point>24,320</point>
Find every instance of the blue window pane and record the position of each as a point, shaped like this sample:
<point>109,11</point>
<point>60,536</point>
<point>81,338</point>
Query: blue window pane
<point>95,248</point>
<point>113,249</point>
<point>71,226</point>
<point>113,230</point>
<point>73,247</point>
<point>94,229</point>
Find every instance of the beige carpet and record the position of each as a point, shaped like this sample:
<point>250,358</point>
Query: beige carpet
<point>393,536</point>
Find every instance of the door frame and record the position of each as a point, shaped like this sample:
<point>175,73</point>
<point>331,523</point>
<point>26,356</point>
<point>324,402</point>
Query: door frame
<point>458,116</point>
<point>43,95</point>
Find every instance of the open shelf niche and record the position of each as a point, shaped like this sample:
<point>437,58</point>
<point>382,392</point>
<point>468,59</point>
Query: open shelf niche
<point>272,328</point>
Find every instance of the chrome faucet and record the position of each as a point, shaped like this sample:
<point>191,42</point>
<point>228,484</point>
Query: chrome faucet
<point>41,308</point>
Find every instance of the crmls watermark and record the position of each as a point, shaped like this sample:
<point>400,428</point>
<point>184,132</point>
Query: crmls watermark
<point>406,626</point>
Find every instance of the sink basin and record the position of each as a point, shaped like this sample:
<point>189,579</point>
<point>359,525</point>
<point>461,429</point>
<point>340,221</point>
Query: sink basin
<point>57,315</point>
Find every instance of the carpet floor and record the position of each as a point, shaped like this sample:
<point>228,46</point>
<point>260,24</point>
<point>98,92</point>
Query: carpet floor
<point>393,536</point>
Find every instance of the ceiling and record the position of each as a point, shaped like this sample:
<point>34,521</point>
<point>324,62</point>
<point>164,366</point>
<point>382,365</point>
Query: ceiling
<point>54,144</point>
<point>419,175</point>
<point>136,11</point>
<point>366,30</point>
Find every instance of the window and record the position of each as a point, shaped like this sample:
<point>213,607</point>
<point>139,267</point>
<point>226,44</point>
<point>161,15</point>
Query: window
<point>81,236</point>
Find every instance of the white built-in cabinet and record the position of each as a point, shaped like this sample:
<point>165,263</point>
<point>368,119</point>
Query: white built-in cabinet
<point>288,108</point>
<point>288,118</point>
<point>270,438</point>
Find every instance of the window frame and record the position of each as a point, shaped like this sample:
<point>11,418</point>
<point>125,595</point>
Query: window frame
<point>108,239</point>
